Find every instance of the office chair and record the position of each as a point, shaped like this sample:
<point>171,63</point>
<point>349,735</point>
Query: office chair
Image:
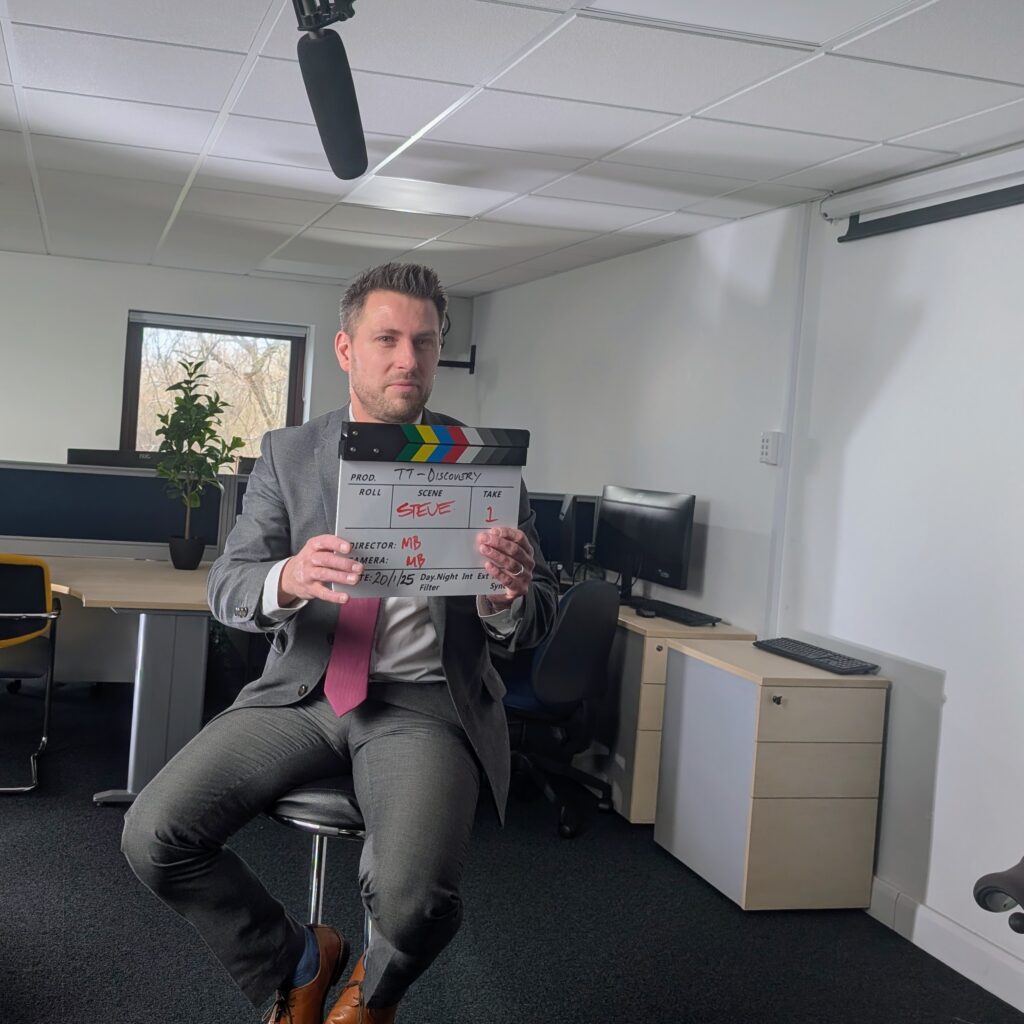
<point>1001,891</point>
<point>28,637</point>
<point>552,695</point>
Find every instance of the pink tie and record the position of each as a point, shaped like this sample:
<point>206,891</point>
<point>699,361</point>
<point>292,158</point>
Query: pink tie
<point>349,667</point>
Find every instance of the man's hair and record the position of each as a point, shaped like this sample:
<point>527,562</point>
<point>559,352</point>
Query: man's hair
<point>405,278</point>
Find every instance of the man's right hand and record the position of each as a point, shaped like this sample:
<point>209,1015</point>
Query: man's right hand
<point>321,562</point>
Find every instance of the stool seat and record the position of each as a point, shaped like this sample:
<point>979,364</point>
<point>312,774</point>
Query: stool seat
<point>327,806</point>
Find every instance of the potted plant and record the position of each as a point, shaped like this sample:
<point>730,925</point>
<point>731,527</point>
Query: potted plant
<point>192,454</point>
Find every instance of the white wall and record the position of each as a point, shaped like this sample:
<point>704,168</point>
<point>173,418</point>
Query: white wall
<point>660,370</point>
<point>62,343</point>
<point>903,541</point>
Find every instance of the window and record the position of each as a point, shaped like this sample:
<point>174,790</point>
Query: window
<point>256,368</point>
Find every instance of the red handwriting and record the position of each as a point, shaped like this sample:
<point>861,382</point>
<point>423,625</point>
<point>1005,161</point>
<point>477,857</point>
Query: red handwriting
<point>416,560</point>
<point>411,542</point>
<point>419,509</point>
<point>490,515</point>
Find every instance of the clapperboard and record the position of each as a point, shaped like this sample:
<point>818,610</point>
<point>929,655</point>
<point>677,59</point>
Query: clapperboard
<point>412,499</point>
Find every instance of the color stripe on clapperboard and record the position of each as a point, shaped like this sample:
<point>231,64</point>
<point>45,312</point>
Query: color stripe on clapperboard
<point>475,446</point>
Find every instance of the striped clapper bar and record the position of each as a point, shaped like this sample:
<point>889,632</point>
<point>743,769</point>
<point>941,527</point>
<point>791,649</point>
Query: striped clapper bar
<point>475,446</point>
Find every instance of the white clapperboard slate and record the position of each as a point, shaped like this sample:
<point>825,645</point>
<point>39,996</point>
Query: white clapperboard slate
<point>412,499</point>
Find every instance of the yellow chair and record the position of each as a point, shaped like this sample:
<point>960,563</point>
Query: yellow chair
<point>28,635</point>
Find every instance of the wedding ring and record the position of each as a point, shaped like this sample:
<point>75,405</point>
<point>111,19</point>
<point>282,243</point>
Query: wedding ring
<point>522,568</point>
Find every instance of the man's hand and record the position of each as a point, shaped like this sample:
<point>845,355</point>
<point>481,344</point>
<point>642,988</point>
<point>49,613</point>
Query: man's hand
<point>309,574</point>
<point>509,559</point>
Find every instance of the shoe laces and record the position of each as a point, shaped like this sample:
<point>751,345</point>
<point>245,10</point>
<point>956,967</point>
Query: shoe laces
<point>281,1010</point>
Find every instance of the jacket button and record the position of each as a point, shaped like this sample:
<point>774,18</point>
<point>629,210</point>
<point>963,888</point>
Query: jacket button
<point>303,690</point>
<point>330,639</point>
<point>242,611</point>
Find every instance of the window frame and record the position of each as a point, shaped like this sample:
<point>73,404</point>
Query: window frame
<point>138,320</point>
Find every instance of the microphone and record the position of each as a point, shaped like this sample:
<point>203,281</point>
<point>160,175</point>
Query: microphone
<point>328,79</point>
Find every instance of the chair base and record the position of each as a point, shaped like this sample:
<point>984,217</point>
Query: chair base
<point>572,816</point>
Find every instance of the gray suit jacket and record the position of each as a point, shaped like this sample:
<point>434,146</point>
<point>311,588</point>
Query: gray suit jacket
<point>292,496</point>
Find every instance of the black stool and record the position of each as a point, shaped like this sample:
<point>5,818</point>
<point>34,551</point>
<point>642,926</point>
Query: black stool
<point>328,809</point>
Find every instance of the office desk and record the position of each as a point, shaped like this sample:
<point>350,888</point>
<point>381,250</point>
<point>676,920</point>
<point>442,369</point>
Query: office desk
<point>170,667</point>
<point>631,725</point>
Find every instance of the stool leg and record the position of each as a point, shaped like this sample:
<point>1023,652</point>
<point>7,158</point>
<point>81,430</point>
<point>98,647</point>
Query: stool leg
<point>317,870</point>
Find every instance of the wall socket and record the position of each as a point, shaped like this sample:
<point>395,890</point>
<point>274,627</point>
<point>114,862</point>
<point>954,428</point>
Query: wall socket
<point>770,440</point>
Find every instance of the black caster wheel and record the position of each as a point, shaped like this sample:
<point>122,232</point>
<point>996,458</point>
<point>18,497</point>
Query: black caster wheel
<point>14,686</point>
<point>568,824</point>
<point>604,806</point>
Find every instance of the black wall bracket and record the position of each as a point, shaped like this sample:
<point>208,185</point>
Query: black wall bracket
<point>461,364</point>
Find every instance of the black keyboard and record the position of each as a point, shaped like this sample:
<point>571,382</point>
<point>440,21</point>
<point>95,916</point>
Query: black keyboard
<point>819,657</point>
<point>674,613</point>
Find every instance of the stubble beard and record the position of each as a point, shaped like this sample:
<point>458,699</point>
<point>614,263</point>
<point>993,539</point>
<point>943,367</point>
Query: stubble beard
<point>391,408</point>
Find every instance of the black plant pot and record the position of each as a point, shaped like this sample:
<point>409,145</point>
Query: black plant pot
<point>186,553</point>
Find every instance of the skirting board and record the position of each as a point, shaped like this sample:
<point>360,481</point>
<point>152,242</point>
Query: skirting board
<point>968,954</point>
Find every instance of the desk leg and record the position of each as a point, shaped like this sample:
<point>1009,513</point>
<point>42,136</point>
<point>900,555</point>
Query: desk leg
<point>167,710</point>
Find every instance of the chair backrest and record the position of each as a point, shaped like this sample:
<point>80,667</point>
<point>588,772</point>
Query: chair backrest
<point>572,663</point>
<point>24,590</point>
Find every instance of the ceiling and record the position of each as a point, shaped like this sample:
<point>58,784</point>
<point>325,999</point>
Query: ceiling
<point>507,140</point>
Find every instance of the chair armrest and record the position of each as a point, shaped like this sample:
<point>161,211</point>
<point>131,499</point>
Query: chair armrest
<point>55,614</point>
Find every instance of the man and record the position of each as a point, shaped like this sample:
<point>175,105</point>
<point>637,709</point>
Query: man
<point>432,722</point>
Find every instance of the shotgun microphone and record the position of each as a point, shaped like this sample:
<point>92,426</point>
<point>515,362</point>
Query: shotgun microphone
<point>328,80</point>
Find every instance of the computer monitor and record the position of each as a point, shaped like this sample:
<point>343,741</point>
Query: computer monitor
<point>645,535</point>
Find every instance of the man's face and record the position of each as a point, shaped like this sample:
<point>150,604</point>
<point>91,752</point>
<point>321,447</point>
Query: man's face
<point>391,357</point>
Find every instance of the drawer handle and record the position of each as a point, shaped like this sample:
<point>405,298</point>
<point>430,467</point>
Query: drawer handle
<point>777,699</point>
<point>659,648</point>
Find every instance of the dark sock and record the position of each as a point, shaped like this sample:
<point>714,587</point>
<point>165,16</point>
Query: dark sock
<point>309,966</point>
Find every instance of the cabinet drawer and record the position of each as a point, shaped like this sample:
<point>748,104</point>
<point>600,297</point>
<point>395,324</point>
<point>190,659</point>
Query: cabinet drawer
<point>652,706</point>
<point>822,714</point>
<point>805,854</point>
<point>655,662</point>
<point>817,769</point>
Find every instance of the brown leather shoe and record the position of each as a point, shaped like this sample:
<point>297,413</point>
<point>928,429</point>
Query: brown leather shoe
<point>305,1004</point>
<point>350,1008</point>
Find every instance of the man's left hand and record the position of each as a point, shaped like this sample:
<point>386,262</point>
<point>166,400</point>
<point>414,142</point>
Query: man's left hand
<point>509,559</point>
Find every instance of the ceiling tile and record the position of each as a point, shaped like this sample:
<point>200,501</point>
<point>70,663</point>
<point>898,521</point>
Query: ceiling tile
<point>117,161</point>
<point>426,196</point>
<point>539,124</point>
<point>655,69</point>
<point>20,230</point>
<point>875,164</point>
<point>813,22</point>
<point>8,109</point>
<point>226,25</point>
<point>294,270</point>
<point>738,150</point>
<point>105,218</point>
<point>124,69</point>
<point>508,278</point>
<point>454,40</point>
<point>641,186</point>
<point>480,167</point>
<point>5,68</point>
<point>202,242</point>
<point>455,262</point>
<point>388,105</point>
<point>14,169</point>
<point>891,101</point>
<point>280,142</point>
<point>346,217</point>
<point>344,253</point>
<point>756,199</point>
<point>676,225</point>
<point>969,37</point>
<point>548,5</point>
<point>270,179</point>
<point>247,206</point>
<point>117,121</point>
<point>547,211</point>
<point>991,130</point>
<point>605,248</point>
<point>499,235</point>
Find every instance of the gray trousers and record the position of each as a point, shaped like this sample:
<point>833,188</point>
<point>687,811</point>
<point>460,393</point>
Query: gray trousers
<point>417,783</point>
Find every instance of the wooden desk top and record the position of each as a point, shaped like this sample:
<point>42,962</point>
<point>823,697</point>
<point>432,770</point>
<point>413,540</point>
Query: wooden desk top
<point>765,668</point>
<point>659,627</point>
<point>130,583</point>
